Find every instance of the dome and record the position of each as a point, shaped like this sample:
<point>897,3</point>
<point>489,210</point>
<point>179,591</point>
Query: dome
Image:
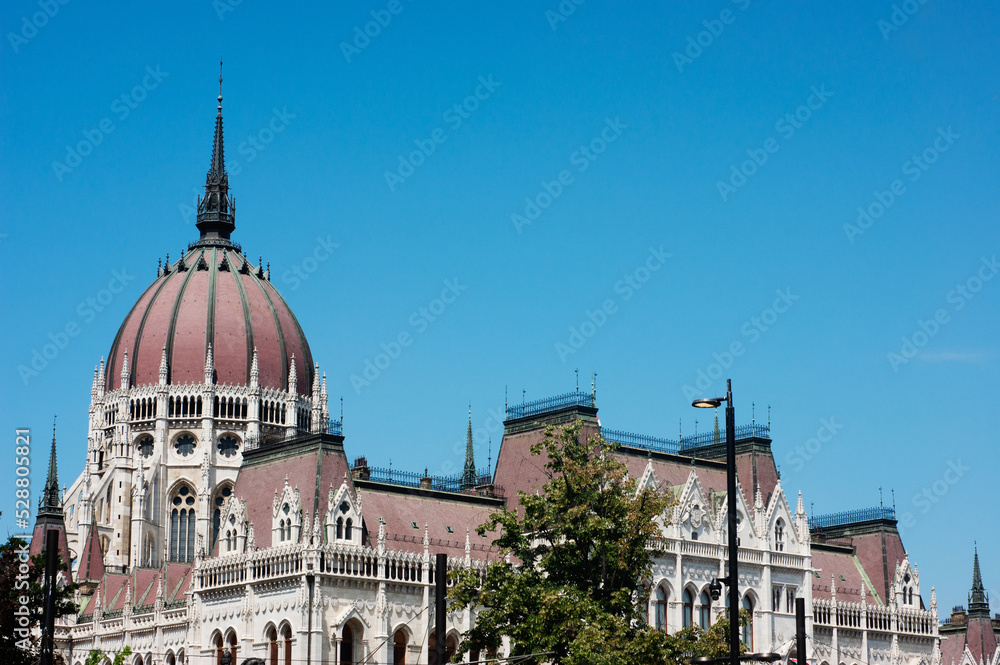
<point>212,298</point>
<point>213,295</point>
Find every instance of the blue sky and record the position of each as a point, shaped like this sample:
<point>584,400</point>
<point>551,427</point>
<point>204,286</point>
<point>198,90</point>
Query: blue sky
<point>737,138</point>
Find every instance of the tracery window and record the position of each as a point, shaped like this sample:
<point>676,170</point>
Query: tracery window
<point>661,609</point>
<point>779,535</point>
<point>182,525</point>
<point>184,445</point>
<point>688,614</point>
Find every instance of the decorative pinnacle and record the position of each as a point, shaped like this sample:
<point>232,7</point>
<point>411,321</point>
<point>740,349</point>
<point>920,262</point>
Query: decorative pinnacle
<point>216,210</point>
<point>979,602</point>
<point>49,502</point>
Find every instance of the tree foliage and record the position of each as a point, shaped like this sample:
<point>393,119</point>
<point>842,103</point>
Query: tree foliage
<point>572,583</point>
<point>22,599</point>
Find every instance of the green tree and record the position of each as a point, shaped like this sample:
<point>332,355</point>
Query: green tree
<point>96,656</point>
<point>22,599</point>
<point>570,583</point>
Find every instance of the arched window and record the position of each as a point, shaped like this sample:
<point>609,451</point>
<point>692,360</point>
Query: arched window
<point>779,535</point>
<point>272,646</point>
<point>233,649</point>
<point>661,609</point>
<point>399,647</point>
<point>340,528</point>
<point>704,610</point>
<point>217,642</point>
<point>182,525</point>
<point>688,613</point>
<point>286,635</point>
<point>748,629</point>
<point>347,646</point>
<point>347,529</point>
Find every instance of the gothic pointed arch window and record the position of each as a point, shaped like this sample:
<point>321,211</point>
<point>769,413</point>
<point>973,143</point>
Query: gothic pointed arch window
<point>747,630</point>
<point>779,535</point>
<point>182,524</point>
<point>704,610</point>
<point>662,600</point>
<point>688,612</point>
<point>272,646</point>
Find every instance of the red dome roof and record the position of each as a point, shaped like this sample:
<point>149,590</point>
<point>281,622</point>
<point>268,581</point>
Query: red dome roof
<point>213,295</point>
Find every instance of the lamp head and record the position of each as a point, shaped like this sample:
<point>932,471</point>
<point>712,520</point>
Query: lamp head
<point>708,402</point>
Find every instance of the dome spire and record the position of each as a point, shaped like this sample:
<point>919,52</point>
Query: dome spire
<point>216,210</point>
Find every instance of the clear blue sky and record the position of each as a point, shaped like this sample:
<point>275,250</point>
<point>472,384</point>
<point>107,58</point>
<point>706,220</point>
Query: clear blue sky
<point>837,109</point>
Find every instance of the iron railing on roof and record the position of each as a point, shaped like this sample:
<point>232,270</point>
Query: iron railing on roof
<point>547,404</point>
<point>751,431</point>
<point>852,517</point>
<point>453,483</point>
<point>335,427</point>
<point>643,441</point>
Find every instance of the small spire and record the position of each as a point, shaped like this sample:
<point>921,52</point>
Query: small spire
<point>254,370</point>
<point>979,602</point>
<point>163,366</point>
<point>293,377</point>
<point>49,502</point>
<point>124,372</point>
<point>209,366</point>
<point>716,438</point>
<point>469,478</point>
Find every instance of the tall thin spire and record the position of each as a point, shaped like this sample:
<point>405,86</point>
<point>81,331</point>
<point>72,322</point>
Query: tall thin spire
<point>469,477</point>
<point>979,602</point>
<point>216,210</point>
<point>49,501</point>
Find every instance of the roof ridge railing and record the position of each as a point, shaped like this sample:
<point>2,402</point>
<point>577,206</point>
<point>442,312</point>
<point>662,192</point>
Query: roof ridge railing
<point>852,517</point>
<point>554,403</point>
<point>451,483</point>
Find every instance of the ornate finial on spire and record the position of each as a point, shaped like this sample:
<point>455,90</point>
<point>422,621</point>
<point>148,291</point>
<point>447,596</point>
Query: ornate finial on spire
<point>293,377</point>
<point>124,372</point>
<point>163,366</point>
<point>716,436</point>
<point>216,210</point>
<point>469,477</point>
<point>209,366</point>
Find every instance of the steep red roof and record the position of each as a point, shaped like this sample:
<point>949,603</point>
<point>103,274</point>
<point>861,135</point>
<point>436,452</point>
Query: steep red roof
<point>400,507</point>
<point>843,567</point>
<point>311,464</point>
<point>879,566</point>
<point>92,562</point>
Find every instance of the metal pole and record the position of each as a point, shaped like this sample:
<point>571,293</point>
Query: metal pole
<point>49,607</point>
<point>734,592</point>
<point>441,582</point>
<point>800,631</point>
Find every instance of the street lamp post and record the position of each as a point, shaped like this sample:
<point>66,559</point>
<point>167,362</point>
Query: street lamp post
<point>730,580</point>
